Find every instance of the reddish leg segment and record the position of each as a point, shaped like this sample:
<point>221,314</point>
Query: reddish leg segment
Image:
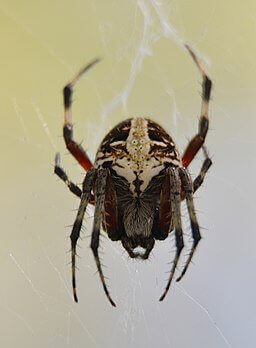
<point>75,149</point>
<point>196,143</point>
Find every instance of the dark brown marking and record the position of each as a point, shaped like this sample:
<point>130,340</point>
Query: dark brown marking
<point>165,215</point>
<point>111,212</point>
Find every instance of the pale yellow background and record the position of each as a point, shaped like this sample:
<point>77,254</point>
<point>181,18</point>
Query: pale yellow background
<point>144,72</point>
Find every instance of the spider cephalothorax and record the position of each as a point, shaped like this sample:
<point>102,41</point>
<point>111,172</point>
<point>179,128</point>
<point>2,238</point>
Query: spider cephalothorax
<point>137,183</point>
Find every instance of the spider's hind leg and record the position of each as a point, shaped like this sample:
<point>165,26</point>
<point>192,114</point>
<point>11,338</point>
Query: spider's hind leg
<point>187,186</point>
<point>75,234</point>
<point>100,188</point>
<point>175,197</point>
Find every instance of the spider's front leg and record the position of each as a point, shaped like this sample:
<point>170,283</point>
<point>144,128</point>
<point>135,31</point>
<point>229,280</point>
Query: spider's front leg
<point>197,142</point>
<point>74,148</point>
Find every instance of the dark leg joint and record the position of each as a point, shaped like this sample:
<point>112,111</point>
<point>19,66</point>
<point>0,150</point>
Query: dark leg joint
<point>61,174</point>
<point>195,232</point>
<point>197,182</point>
<point>200,178</point>
<point>203,126</point>
<point>207,85</point>
<point>206,165</point>
<point>68,133</point>
<point>75,233</point>
<point>75,189</point>
<point>179,241</point>
<point>95,243</point>
<point>67,93</point>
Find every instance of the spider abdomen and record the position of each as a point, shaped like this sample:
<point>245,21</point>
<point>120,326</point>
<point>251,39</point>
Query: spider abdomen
<point>137,149</point>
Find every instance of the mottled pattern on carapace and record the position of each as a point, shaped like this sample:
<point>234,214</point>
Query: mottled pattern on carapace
<point>137,149</point>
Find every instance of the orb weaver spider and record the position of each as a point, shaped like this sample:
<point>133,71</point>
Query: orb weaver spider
<point>136,183</point>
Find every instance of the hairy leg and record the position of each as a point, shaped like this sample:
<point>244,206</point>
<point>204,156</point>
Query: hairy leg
<point>75,234</point>
<point>175,196</point>
<point>188,190</point>
<point>100,188</point>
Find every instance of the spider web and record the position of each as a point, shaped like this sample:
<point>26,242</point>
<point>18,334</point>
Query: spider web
<point>145,71</point>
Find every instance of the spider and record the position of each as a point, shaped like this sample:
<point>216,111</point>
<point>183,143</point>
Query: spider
<point>136,184</point>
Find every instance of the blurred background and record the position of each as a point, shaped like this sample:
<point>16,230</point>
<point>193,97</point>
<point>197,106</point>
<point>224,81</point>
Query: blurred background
<point>145,71</point>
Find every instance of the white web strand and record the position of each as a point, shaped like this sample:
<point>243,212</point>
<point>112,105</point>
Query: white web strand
<point>22,319</point>
<point>167,29</point>
<point>38,294</point>
<point>61,279</point>
<point>143,50</point>
<point>68,291</point>
<point>206,312</point>
<point>149,37</point>
<point>20,118</point>
<point>26,277</point>
<point>44,125</point>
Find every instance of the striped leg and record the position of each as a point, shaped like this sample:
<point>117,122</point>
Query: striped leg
<point>58,170</point>
<point>205,167</point>
<point>100,187</point>
<point>87,188</point>
<point>187,185</point>
<point>76,149</point>
<point>175,196</point>
<point>196,143</point>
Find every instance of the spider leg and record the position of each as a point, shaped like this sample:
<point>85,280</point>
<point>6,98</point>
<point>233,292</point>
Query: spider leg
<point>75,149</point>
<point>196,143</point>
<point>188,189</point>
<point>205,167</point>
<point>175,196</point>
<point>63,176</point>
<point>87,188</point>
<point>100,187</point>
